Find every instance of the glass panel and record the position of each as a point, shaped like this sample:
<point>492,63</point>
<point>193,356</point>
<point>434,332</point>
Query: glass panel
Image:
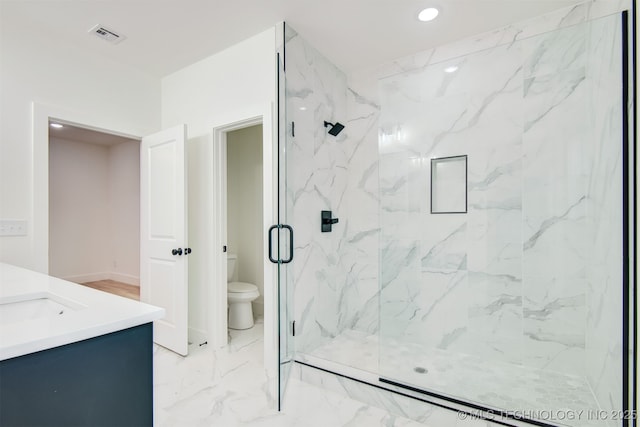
<point>508,306</point>
<point>325,271</point>
<point>285,302</point>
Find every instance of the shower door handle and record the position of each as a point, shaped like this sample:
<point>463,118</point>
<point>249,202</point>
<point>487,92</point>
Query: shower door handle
<point>271,258</point>
<point>288,260</point>
<point>270,244</point>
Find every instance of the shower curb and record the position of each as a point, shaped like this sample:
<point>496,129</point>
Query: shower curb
<point>399,401</point>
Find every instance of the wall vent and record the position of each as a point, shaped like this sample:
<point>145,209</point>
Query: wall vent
<point>107,34</point>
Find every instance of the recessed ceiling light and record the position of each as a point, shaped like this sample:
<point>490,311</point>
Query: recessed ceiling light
<point>451,69</point>
<point>428,14</point>
<point>56,125</point>
<point>303,108</point>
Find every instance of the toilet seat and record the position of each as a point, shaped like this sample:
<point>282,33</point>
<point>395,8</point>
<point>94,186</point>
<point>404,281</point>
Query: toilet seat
<point>241,287</point>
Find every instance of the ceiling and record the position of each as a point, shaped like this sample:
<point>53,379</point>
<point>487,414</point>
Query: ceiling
<point>78,134</point>
<point>164,36</point>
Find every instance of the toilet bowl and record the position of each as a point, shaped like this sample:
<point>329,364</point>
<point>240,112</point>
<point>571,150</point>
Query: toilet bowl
<point>240,295</point>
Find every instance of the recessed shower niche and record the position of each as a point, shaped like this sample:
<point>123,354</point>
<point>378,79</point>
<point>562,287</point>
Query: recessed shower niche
<point>449,185</point>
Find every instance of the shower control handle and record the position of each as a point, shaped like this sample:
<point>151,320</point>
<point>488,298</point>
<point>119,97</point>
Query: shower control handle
<point>326,221</point>
<point>176,251</point>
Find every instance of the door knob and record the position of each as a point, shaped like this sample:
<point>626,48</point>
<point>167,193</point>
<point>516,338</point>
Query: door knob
<point>187,251</point>
<point>176,251</point>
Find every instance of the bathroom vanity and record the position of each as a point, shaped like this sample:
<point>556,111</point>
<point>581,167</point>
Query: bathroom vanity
<point>72,355</point>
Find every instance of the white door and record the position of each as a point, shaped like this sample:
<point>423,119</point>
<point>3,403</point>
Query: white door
<point>163,234</point>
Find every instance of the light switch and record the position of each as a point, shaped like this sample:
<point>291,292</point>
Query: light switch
<point>13,227</point>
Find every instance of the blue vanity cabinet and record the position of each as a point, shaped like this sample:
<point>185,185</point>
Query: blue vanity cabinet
<point>102,381</point>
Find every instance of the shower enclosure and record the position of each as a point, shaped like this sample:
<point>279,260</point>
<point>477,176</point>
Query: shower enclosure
<point>482,253</point>
<point>509,303</point>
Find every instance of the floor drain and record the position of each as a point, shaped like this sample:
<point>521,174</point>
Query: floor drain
<point>420,370</point>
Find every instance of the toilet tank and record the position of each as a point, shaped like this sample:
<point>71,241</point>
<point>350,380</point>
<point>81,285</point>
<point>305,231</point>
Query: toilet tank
<point>231,265</point>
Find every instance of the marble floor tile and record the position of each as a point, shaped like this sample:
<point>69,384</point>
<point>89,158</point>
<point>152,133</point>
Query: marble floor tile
<point>227,388</point>
<point>470,377</point>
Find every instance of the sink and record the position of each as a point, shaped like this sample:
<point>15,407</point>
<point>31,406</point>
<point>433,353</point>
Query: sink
<point>35,306</point>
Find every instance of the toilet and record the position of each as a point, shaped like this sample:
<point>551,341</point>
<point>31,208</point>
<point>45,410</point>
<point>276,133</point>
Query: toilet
<point>239,296</point>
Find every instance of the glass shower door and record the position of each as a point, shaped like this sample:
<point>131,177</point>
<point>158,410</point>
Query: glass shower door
<point>284,247</point>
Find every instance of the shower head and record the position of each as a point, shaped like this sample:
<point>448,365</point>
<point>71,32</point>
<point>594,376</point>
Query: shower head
<point>335,129</point>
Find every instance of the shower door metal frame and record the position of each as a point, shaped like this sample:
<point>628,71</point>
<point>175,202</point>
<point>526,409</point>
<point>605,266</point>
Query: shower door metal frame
<point>283,287</point>
<point>629,213</point>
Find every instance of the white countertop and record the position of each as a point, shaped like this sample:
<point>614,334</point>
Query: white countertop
<point>59,312</point>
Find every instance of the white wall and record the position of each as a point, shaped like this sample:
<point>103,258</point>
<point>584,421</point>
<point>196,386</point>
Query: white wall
<point>232,86</point>
<point>94,211</point>
<point>245,236</point>
<point>77,84</point>
<point>124,196</point>
<point>78,209</point>
<point>39,78</point>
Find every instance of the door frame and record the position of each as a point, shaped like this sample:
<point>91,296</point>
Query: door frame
<point>217,270</point>
<point>41,114</point>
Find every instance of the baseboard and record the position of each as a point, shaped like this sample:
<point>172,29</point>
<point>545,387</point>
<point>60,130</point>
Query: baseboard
<point>197,336</point>
<point>107,275</point>
<point>125,278</point>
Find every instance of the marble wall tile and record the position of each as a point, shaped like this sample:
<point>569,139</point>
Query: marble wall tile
<point>554,200</point>
<point>495,322</point>
<point>604,270</point>
<point>523,246</point>
<point>336,276</point>
<point>553,324</point>
<point>477,112</point>
<point>363,107</point>
<point>362,227</point>
<point>444,239</point>
<point>413,309</point>
<point>316,180</point>
<point>494,245</point>
<point>556,51</point>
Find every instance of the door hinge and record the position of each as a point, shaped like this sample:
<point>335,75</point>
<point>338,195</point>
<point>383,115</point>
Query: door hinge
<point>293,328</point>
<point>293,128</point>
<point>224,248</point>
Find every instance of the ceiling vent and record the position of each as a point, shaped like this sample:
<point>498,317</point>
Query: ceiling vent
<point>107,34</point>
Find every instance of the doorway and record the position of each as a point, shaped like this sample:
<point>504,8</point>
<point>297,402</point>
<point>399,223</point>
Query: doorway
<point>215,257</point>
<point>216,292</point>
<point>244,224</point>
<point>94,209</point>
<point>176,320</point>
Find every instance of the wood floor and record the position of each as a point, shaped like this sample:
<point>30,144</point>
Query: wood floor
<point>118,288</point>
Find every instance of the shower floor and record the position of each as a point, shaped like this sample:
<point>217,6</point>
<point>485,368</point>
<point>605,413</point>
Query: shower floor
<point>549,396</point>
